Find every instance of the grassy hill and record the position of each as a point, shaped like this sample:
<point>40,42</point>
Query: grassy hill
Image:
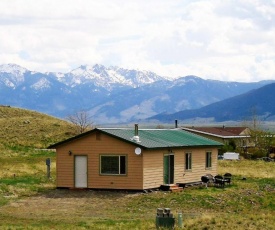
<point>20,127</point>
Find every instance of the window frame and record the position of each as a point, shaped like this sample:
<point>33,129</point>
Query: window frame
<point>122,170</point>
<point>188,161</point>
<point>208,159</point>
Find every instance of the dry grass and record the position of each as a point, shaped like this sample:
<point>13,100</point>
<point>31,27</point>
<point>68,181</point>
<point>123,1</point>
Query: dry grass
<point>19,168</point>
<point>21,127</point>
<point>248,168</point>
<point>247,204</point>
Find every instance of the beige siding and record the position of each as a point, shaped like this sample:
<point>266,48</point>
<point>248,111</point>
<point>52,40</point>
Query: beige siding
<point>179,165</point>
<point>153,166</point>
<point>198,165</point>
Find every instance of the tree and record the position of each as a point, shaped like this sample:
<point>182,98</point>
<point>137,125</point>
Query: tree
<point>81,121</point>
<point>229,147</point>
<point>263,140</point>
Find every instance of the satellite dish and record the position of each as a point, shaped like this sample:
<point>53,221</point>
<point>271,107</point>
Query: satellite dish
<point>137,151</point>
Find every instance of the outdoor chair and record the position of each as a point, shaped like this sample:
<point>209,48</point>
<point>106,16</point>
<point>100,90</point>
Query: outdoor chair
<point>205,180</point>
<point>219,181</point>
<point>227,177</point>
<point>210,179</point>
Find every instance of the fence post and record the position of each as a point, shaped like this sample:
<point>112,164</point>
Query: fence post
<point>48,163</point>
<point>180,220</point>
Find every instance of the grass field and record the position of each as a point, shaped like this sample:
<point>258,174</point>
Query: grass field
<point>28,200</point>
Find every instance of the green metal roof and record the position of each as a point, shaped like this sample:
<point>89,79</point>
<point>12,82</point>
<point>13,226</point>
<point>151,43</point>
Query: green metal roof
<point>162,138</point>
<point>152,138</point>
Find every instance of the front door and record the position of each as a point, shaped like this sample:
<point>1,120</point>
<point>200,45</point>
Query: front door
<point>81,172</point>
<point>168,169</point>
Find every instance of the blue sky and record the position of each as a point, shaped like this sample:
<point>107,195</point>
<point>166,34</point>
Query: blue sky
<point>225,40</point>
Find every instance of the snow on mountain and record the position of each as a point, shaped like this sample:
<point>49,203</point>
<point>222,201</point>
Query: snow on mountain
<point>12,69</point>
<point>138,77</point>
<point>59,76</point>
<point>12,75</point>
<point>98,74</point>
<point>41,84</point>
<point>109,77</point>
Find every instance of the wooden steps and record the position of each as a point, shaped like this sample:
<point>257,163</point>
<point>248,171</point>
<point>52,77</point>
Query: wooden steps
<point>171,188</point>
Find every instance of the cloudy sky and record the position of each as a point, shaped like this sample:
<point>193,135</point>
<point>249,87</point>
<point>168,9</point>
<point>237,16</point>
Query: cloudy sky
<point>226,40</point>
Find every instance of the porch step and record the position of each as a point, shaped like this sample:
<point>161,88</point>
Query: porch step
<point>171,188</point>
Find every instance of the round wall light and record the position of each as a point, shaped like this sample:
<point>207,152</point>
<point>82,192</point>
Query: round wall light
<point>137,151</point>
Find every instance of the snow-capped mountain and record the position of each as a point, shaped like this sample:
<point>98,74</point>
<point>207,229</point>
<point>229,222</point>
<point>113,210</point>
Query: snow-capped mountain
<point>12,75</point>
<point>60,94</point>
<point>13,69</point>
<point>107,78</point>
<point>111,94</point>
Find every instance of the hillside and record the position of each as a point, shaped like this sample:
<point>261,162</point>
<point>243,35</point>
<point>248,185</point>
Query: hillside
<point>258,102</point>
<point>20,127</point>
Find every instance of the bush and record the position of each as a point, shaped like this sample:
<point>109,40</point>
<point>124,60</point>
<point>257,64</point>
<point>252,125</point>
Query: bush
<point>256,153</point>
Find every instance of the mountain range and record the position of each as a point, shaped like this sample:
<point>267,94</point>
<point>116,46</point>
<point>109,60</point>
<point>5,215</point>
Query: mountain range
<point>113,94</point>
<point>258,102</point>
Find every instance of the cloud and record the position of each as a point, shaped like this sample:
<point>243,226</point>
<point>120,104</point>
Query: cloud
<point>224,40</point>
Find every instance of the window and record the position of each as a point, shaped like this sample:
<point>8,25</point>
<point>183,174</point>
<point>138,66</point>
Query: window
<point>113,165</point>
<point>208,159</point>
<point>188,161</point>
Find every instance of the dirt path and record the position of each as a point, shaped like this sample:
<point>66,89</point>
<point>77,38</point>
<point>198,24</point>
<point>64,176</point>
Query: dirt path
<point>70,205</point>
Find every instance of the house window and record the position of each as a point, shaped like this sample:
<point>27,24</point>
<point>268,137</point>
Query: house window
<point>113,165</point>
<point>208,159</point>
<point>188,161</point>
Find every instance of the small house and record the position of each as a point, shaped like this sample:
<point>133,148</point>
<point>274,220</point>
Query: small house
<point>133,159</point>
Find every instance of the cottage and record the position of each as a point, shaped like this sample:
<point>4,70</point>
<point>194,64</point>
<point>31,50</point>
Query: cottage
<point>133,159</point>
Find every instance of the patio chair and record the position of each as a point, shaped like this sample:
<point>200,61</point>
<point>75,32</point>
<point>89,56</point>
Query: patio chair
<point>227,177</point>
<point>219,181</point>
<point>205,180</point>
<point>210,179</point>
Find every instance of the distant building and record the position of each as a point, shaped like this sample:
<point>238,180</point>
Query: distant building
<point>240,135</point>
